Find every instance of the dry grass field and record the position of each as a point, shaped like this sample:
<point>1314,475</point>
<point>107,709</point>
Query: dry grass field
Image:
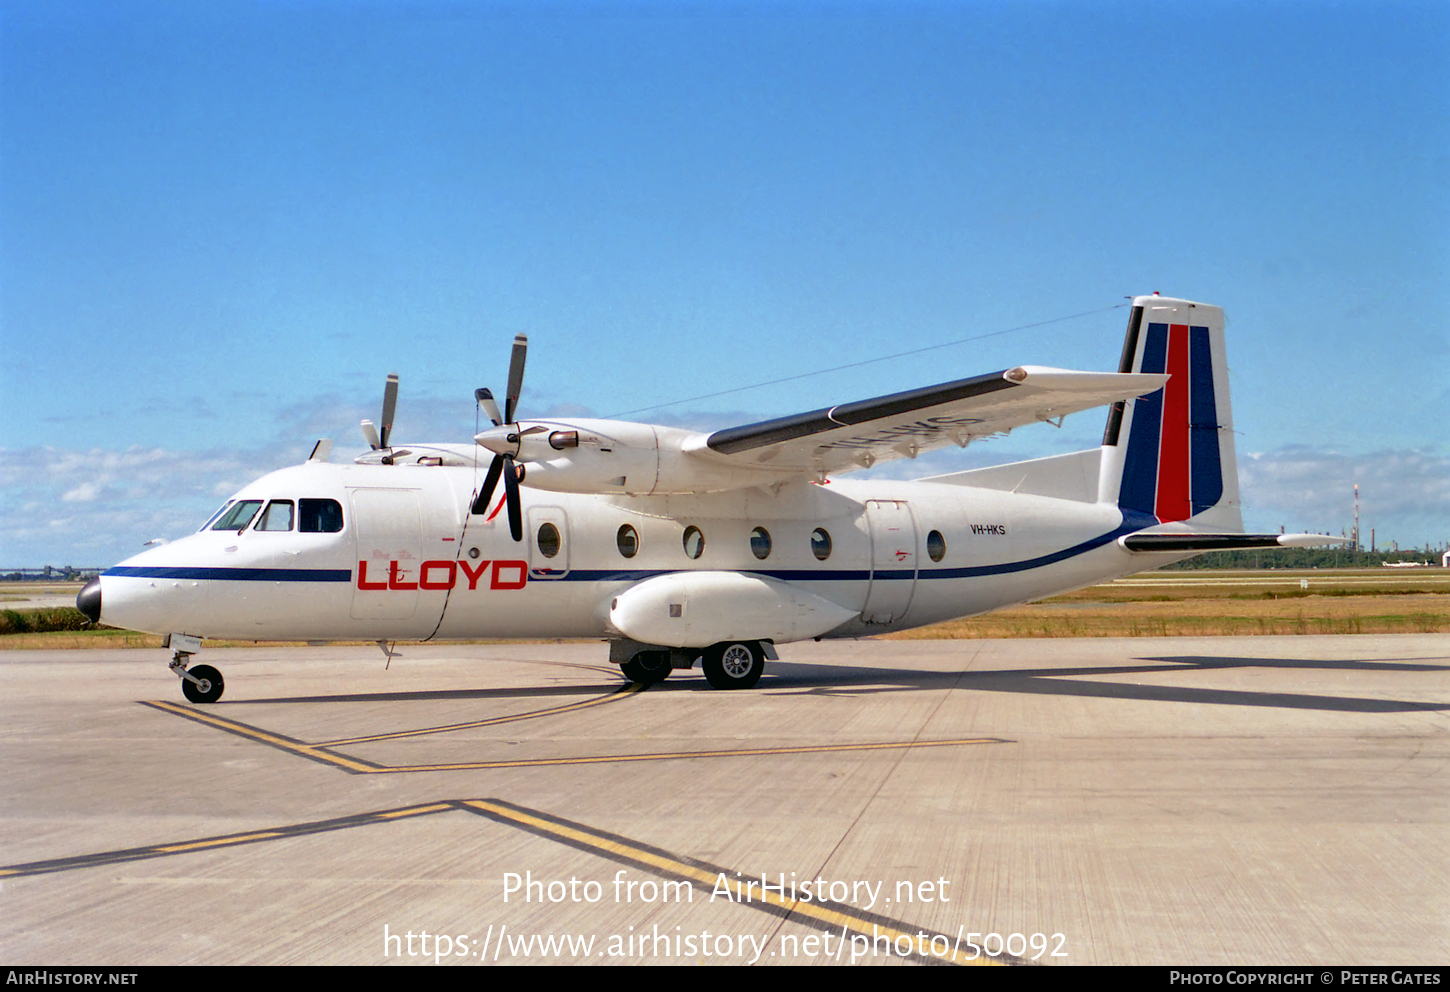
<point>1203,603</point>
<point>1154,604</point>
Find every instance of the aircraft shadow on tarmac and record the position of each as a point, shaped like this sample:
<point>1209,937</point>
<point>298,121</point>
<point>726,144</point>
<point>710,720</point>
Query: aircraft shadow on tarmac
<point>1069,681</point>
<point>826,679</point>
<point>528,692</point>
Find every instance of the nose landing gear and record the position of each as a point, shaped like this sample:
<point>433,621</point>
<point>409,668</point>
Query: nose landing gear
<point>202,684</point>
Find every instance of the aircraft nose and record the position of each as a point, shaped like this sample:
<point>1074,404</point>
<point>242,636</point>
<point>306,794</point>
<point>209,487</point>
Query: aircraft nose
<point>89,600</point>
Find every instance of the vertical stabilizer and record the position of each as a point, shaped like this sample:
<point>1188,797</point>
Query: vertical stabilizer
<point>1169,456</point>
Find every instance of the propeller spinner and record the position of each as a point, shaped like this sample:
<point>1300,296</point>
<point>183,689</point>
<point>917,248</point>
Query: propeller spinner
<point>503,439</point>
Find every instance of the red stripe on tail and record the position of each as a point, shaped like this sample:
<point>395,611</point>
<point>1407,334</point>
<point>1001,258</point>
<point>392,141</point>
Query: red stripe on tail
<point>1173,489</point>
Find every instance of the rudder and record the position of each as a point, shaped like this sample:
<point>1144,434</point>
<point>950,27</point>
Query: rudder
<point>1169,456</point>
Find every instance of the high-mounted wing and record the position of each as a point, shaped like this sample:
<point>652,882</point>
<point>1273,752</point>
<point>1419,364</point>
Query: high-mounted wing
<point>902,425</point>
<point>611,456</point>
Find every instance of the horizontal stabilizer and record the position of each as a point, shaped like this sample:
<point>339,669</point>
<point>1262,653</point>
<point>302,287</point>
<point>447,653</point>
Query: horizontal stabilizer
<point>1224,542</point>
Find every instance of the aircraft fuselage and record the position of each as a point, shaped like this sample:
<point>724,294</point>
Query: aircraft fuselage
<point>410,562</point>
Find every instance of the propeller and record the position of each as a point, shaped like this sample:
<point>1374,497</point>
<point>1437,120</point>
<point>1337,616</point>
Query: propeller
<point>503,439</point>
<point>379,439</point>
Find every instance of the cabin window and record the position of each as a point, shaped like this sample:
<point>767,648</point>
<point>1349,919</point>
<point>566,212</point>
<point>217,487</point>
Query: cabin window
<point>694,542</point>
<point>319,516</point>
<point>936,546</point>
<point>628,541</point>
<point>277,516</point>
<point>820,544</point>
<point>760,543</point>
<point>548,540</point>
<point>240,514</point>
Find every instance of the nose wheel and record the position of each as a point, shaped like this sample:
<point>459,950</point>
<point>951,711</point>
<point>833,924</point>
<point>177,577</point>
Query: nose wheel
<point>208,685</point>
<point>202,684</point>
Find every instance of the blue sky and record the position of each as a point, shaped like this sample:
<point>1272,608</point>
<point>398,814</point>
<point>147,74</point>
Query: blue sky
<point>221,226</point>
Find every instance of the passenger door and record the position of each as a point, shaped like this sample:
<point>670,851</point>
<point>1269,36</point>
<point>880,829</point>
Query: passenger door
<point>893,560</point>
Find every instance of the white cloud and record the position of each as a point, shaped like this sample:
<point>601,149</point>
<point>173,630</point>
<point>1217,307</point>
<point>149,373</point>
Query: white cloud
<point>1404,495</point>
<point>86,492</point>
<point>91,508</point>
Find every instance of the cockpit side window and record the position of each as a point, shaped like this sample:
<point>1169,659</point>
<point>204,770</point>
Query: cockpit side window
<point>277,516</point>
<point>238,515</point>
<point>319,516</point>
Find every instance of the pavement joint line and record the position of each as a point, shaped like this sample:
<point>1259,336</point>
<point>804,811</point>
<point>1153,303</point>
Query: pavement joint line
<point>358,766</point>
<point>678,755</point>
<point>705,877</point>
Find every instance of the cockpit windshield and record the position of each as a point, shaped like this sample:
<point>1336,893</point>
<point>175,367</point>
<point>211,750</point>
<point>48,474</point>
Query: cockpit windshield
<point>238,515</point>
<point>314,516</point>
<point>212,519</point>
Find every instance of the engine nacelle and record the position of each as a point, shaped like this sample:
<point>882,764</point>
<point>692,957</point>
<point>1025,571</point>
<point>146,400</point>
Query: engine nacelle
<point>613,456</point>
<point>697,609</point>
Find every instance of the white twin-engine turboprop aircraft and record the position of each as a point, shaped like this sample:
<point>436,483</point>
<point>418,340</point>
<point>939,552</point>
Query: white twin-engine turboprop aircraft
<point>679,546</point>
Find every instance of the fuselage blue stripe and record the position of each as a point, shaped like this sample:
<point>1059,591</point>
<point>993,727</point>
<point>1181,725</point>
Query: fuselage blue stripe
<point>1131,522</point>
<point>234,574</point>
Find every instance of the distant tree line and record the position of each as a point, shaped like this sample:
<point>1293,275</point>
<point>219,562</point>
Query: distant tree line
<point>1303,558</point>
<point>50,573</point>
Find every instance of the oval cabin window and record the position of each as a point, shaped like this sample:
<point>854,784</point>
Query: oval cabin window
<point>548,539</point>
<point>936,546</point>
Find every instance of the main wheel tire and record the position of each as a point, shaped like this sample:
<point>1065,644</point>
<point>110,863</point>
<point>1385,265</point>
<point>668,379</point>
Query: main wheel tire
<point>734,664</point>
<point>211,686</point>
<point>647,667</point>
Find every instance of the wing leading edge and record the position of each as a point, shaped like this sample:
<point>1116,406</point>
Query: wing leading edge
<point>902,425</point>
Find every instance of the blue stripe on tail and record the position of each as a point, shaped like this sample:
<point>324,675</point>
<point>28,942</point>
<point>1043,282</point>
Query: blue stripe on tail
<point>1139,489</point>
<point>1206,466</point>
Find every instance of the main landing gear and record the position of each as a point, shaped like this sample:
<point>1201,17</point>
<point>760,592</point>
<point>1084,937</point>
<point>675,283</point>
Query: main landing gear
<point>727,665</point>
<point>737,665</point>
<point>202,684</point>
<point>647,667</point>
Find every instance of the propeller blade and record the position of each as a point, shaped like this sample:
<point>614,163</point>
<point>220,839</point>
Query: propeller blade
<point>487,405</point>
<point>511,488</point>
<point>516,377</point>
<point>485,495</point>
<point>390,406</point>
<point>370,434</point>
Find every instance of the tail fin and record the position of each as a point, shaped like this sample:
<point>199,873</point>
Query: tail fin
<point>1169,456</point>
